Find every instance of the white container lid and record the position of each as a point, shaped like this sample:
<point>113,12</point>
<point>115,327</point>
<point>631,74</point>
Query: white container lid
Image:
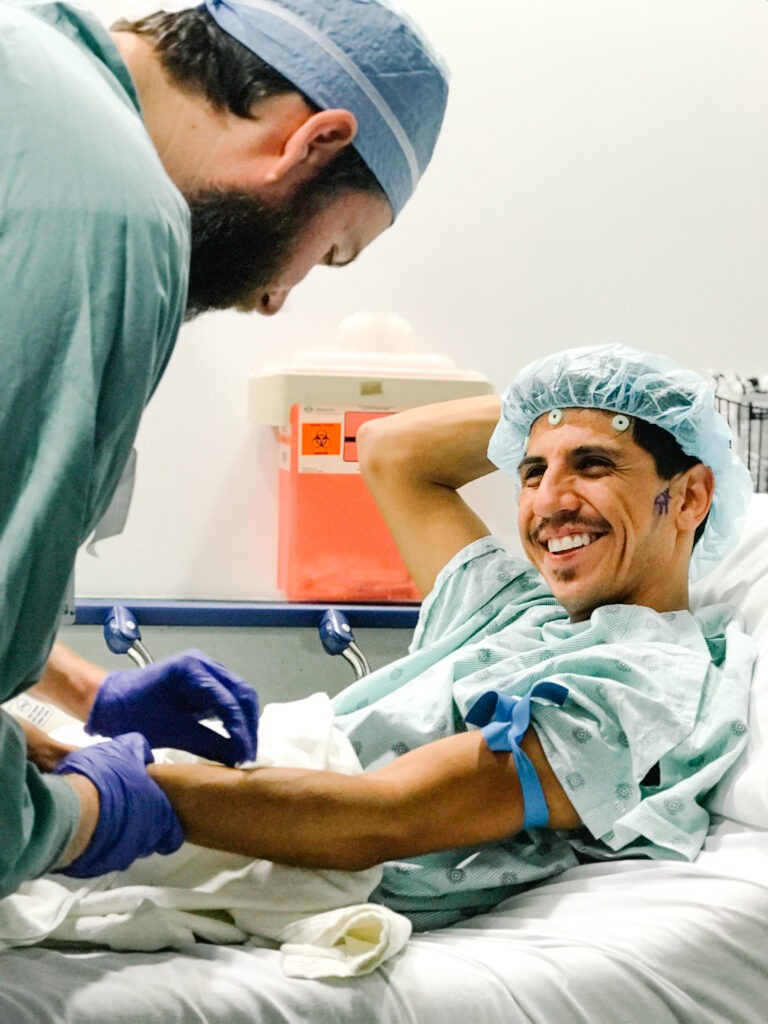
<point>374,368</point>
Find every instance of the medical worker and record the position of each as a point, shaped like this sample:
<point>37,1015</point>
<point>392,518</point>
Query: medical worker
<point>194,160</point>
<point>563,708</point>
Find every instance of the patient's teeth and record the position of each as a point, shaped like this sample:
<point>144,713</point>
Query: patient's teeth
<point>576,540</point>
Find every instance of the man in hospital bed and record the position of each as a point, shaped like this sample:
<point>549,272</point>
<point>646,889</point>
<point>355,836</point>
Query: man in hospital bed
<point>200,159</point>
<point>606,709</point>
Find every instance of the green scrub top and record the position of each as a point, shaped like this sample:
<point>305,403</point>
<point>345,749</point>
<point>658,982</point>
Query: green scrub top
<point>94,255</point>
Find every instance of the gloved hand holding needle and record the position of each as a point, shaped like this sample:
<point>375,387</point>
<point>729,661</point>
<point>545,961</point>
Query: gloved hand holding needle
<point>166,702</point>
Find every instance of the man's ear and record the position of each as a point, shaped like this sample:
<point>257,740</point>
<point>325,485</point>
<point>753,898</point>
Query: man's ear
<point>698,487</point>
<point>312,145</point>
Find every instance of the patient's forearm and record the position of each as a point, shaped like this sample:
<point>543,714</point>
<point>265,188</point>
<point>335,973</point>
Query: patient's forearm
<point>416,804</point>
<point>309,819</point>
<point>451,793</point>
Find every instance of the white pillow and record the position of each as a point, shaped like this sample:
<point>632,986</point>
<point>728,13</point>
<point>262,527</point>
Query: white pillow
<point>742,580</point>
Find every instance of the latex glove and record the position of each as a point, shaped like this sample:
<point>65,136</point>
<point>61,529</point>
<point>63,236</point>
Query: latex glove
<point>166,701</point>
<point>135,816</point>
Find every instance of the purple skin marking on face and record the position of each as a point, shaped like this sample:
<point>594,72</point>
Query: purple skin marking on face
<point>661,502</point>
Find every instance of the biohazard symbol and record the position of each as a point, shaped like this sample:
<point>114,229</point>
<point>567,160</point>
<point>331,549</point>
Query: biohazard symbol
<point>321,439</point>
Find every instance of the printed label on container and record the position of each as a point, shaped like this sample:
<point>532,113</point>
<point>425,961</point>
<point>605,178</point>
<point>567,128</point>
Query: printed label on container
<point>322,439</point>
<point>327,440</point>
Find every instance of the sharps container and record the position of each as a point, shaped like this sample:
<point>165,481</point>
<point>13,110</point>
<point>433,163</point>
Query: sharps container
<point>333,544</point>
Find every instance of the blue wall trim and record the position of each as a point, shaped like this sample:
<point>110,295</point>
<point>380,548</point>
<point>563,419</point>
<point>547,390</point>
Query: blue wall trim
<point>92,611</point>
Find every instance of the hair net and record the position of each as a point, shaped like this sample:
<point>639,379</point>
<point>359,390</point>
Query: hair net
<point>359,55</point>
<point>649,387</point>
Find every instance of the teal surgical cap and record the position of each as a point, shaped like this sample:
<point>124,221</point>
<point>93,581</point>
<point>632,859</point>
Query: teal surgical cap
<point>359,55</point>
<point>614,378</point>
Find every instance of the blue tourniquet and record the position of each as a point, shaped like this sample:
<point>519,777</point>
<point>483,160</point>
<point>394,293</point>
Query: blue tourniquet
<point>503,720</point>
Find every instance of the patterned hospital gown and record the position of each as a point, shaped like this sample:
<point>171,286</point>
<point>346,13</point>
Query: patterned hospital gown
<point>655,714</point>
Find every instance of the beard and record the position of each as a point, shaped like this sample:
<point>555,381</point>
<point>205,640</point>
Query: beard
<point>240,244</point>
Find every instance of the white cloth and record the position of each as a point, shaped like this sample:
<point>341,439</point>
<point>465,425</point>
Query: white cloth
<point>322,917</point>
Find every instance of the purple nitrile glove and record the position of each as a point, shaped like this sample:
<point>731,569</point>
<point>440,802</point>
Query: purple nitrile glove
<point>167,700</point>
<point>135,816</point>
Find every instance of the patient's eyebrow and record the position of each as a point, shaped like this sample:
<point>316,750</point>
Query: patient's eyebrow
<point>529,462</point>
<point>609,453</point>
<point>601,450</point>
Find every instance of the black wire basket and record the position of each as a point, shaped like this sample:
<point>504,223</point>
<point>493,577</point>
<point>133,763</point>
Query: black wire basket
<point>745,406</point>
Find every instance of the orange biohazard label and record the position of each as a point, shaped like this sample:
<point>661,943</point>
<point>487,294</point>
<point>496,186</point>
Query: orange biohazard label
<point>321,438</point>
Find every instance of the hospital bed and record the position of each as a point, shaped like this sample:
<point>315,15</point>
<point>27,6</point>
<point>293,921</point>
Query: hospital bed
<point>622,941</point>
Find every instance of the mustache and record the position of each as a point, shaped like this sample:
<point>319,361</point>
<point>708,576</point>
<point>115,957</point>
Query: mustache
<point>564,517</point>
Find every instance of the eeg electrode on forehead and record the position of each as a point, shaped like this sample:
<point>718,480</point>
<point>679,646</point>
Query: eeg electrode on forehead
<point>641,385</point>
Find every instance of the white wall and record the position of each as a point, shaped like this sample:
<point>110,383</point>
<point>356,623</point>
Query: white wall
<point>602,175</point>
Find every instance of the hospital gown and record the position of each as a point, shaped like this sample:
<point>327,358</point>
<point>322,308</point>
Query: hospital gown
<point>655,713</point>
<point>94,251</point>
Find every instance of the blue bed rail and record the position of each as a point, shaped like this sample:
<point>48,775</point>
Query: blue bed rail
<point>91,612</point>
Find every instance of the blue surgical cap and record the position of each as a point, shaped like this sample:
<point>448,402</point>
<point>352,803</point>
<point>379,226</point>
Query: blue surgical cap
<point>359,55</point>
<point>614,378</point>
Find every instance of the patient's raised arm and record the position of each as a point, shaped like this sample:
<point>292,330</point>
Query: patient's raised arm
<point>414,463</point>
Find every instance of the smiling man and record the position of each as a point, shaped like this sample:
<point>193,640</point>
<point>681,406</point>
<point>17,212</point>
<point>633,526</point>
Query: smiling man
<point>606,708</point>
<point>593,519</point>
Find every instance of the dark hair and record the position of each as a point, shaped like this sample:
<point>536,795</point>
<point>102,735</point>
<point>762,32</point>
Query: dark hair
<point>200,57</point>
<point>668,457</point>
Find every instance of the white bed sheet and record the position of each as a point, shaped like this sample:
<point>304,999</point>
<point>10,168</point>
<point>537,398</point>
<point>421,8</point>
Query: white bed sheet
<point>628,941</point>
